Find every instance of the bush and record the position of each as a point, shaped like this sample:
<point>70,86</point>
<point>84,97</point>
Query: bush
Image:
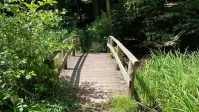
<point>27,38</point>
<point>94,36</point>
<point>98,32</point>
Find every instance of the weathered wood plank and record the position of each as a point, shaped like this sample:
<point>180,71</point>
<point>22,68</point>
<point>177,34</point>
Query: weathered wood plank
<point>95,76</point>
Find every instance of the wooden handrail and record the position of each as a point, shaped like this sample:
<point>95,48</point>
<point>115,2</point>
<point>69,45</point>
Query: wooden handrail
<point>75,43</point>
<point>128,75</point>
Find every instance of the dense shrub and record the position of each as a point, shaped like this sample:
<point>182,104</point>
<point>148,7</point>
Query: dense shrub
<point>95,36</point>
<point>26,39</point>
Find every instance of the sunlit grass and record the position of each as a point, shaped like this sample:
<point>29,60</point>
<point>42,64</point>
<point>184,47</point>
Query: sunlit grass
<point>122,103</point>
<point>170,81</point>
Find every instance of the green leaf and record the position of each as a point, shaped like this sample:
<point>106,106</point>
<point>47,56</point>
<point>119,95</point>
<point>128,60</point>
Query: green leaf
<point>3,62</point>
<point>21,109</point>
<point>42,106</point>
<point>40,3</point>
<point>32,73</point>
<point>18,76</point>
<point>63,11</point>
<point>28,77</point>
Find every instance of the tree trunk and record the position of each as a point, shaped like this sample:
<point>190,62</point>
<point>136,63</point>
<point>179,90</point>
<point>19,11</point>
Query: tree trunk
<point>79,10</point>
<point>95,8</point>
<point>108,10</point>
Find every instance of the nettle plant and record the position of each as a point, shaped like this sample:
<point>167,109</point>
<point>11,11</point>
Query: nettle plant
<point>23,47</point>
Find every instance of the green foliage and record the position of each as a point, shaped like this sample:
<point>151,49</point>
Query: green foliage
<point>122,103</point>
<point>95,35</point>
<point>97,47</point>
<point>98,32</point>
<point>156,20</point>
<point>169,81</point>
<point>26,39</point>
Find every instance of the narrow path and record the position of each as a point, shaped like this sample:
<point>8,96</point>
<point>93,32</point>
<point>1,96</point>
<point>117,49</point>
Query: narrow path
<point>95,75</point>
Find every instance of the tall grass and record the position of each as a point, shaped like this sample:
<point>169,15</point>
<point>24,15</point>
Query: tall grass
<point>170,81</point>
<point>122,103</point>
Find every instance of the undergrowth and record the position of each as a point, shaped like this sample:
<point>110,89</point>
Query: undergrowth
<point>27,38</point>
<point>121,103</point>
<point>169,82</point>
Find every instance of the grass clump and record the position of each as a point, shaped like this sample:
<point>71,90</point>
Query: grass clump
<point>169,81</point>
<point>121,103</point>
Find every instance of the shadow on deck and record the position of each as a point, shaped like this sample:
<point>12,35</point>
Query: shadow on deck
<point>95,77</point>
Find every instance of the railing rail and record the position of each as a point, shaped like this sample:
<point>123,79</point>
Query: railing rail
<point>128,75</point>
<point>75,43</point>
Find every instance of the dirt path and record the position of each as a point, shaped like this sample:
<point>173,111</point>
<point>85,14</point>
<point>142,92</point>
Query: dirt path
<point>95,76</point>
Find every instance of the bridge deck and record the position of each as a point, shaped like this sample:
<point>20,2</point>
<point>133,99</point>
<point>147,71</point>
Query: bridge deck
<point>95,75</point>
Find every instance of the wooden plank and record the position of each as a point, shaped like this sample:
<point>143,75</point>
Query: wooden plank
<point>131,57</point>
<point>125,75</point>
<point>95,75</point>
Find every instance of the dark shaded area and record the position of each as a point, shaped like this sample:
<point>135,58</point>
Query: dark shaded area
<point>146,25</point>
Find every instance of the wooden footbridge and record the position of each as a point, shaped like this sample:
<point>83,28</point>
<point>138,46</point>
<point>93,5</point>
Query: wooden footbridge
<point>98,75</point>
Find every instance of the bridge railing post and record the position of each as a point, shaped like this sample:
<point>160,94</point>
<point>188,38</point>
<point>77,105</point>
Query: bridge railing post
<point>73,43</point>
<point>63,55</point>
<point>131,75</point>
<point>110,41</point>
<point>119,54</point>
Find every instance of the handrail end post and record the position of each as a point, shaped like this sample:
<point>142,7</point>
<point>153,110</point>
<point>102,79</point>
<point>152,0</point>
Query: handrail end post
<point>73,53</point>
<point>65,65</point>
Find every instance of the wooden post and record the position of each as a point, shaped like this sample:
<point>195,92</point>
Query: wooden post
<point>131,76</point>
<point>108,50</point>
<point>65,65</point>
<point>119,52</point>
<point>110,41</point>
<point>63,56</point>
<point>73,42</point>
<point>131,72</point>
<point>78,40</point>
<point>63,53</point>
